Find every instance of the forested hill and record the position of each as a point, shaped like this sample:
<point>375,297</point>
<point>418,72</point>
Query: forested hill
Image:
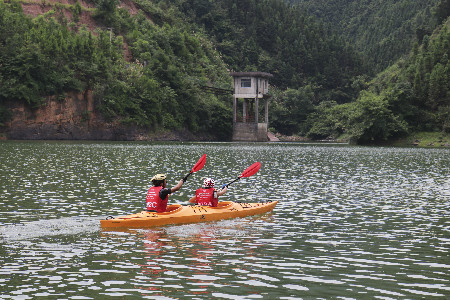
<point>382,30</point>
<point>146,63</point>
<point>144,67</point>
<point>173,49</point>
<point>412,95</point>
<point>278,38</point>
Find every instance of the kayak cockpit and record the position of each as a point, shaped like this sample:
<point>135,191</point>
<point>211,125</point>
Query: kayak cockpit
<point>171,209</point>
<point>223,204</point>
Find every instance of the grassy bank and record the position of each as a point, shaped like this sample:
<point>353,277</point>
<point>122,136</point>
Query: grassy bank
<point>424,139</point>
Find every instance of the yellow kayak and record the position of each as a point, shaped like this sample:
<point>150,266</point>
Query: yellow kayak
<point>182,214</point>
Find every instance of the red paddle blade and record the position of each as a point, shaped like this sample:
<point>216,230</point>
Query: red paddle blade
<point>199,165</point>
<point>251,170</point>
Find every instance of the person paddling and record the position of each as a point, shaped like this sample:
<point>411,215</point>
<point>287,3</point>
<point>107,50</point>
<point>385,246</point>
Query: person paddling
<point>158,194</point>
<point>208,195</point>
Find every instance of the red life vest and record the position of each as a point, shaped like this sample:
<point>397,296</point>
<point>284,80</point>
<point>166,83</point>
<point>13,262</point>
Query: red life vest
<point>154,202</point>
<point>206,197</point>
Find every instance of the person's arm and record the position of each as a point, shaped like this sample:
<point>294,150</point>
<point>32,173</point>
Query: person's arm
<point>163,193</point>
<point>177,187</point>
<point>223,191</point>
<point>193,199</point>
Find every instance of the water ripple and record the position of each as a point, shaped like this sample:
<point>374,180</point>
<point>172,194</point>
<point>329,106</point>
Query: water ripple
<point>352,222</point>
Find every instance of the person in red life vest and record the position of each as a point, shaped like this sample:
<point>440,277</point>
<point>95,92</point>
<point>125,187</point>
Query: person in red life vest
<point>208,195</point>
<point>158,194</point>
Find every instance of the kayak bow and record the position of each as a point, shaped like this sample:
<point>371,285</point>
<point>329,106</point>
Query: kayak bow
<point>181,214</point>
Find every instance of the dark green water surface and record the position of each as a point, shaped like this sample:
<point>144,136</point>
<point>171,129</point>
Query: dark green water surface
<point>352,222</point>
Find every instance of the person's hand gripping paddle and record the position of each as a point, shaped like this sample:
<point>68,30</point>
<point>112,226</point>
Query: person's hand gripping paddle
<point>197,167</point>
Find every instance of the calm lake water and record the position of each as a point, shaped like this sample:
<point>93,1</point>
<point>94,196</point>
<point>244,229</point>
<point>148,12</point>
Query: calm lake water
<point>352,222</point>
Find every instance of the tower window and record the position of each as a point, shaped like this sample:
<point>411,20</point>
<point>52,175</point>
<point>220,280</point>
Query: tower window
<point>246,82</point>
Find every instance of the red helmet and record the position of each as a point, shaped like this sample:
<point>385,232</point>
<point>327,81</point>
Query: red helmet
<point>208,182</point>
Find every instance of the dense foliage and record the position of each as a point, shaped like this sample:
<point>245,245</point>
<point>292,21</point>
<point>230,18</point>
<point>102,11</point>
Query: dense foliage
<point>310,63</point>
<point>382,30</point>
<point>412,95</point>
<point>158,89</point>
<point>42,57</point>
<point>278,38</point>
<point>150,68</point>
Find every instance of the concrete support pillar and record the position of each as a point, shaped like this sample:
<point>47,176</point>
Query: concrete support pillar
<point>234,109</point>
<point>256,109</point>
<point>244,111</point>
<point>266,110</point>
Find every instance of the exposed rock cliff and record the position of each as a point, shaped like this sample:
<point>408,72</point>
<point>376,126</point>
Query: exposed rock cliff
<point>74,117</point>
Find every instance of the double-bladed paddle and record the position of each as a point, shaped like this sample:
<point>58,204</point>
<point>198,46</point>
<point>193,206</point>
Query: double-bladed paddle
<point>247,172</point>
<point>197,167</point>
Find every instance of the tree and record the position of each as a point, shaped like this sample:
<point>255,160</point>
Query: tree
<point>291,108</point>
<point>371,119</point>
<point>439,86</point>
<point>442,11</point>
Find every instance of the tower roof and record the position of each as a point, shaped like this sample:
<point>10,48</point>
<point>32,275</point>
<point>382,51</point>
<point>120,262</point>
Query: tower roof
<point>251,74</point>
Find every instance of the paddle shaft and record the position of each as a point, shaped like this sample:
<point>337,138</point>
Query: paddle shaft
<point>237,179</point>
<point>189,174</point>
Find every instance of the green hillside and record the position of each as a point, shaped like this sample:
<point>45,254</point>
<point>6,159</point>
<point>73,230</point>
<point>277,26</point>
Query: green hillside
<point>412,95</point>
<point>148,66</point>
<point>382,30</point>
<point>159,88</point>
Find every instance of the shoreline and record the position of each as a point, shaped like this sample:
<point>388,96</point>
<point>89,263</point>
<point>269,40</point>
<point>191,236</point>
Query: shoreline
<point>416,140</point>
